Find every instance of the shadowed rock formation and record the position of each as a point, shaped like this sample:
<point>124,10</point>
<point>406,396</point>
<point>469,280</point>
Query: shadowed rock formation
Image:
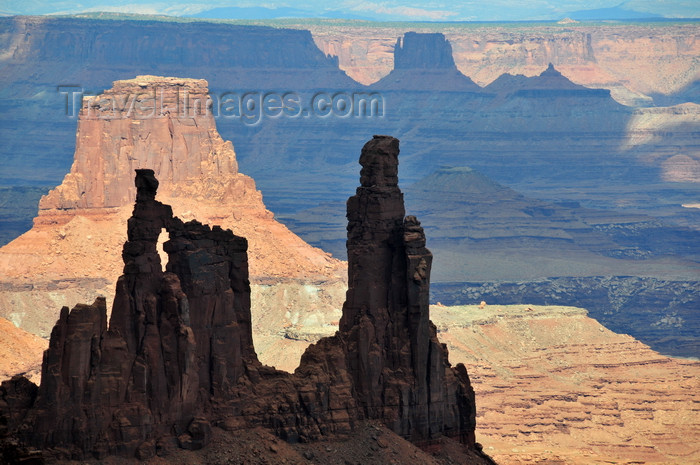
<point>178,356</point>
<point>159,366</point>
<point>163,124</point>
<point>424,62</point>
<point>398,367</point>
<point>429,51</point>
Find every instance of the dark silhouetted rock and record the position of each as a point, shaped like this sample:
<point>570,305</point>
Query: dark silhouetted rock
<point>400,371</point>
<point>425,62</point>
<point>16,397</point>
<point>428,51</point>
<point>158,367</point>
<point>178,356</point>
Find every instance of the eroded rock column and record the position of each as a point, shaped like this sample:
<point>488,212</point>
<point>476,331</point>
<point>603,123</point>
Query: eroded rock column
<point>400,371</point>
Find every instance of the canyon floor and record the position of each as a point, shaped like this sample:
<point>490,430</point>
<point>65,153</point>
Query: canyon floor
<point>553,386</point>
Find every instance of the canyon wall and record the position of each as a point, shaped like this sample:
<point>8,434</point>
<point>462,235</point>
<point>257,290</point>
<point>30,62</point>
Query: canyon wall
<point>662,312</point>
<point>568,390</point>
<point>160,46</point>
<point>635,61</point>
<point>240,59</point>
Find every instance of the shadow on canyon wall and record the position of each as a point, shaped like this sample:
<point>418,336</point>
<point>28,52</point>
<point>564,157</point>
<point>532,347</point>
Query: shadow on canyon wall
<point>543,136</point>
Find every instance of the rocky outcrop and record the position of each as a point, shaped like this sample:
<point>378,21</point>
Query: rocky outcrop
<point>177,356</point>
<point>557,387</point>
<point>632,60</point>
<point>398,366</point>
<point>164,124</point>
<point>424,62</point>
<point>159,366</point>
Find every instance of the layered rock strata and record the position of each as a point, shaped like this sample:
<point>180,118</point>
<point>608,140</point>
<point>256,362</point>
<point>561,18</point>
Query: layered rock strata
<point>634,61</point>
<point>164,124</point>
<point>178,356</point>
<point>556,387</point>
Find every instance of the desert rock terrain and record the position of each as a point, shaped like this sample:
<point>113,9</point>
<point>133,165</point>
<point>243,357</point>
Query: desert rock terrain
<point>631,60</point>
<point>554,386</point>
<point>72,253</point>
<point>619,377</point>
<point>177,357</point>
<point>20,352</point>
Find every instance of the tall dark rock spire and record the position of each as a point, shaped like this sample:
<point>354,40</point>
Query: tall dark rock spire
<point>178,356</point>
<point>401,372</point>
<point>177,341</point>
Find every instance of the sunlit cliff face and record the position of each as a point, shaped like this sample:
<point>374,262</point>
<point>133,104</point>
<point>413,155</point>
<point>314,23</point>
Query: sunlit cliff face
<point>598,57</point>
<point>76,238</point>
<point>648,132</point>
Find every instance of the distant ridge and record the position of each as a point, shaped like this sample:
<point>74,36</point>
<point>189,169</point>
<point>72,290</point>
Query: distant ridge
<point>548,82</point>
<point>259,12</point>
<point>618,12</point>
<point>462,180</point>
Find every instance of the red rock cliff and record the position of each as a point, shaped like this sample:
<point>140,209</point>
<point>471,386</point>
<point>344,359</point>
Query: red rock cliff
<point>158,123</point>
<point>629,59</point>
<point>155,122</point>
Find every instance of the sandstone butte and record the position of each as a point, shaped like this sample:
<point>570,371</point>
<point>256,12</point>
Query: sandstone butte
<point>177,358</point>
<point>71,254</point>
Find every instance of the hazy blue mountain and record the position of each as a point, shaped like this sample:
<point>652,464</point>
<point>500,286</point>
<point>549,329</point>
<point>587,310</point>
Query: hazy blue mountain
<point>259,12</point>
<point>618,12</point>
<point>389,10</point>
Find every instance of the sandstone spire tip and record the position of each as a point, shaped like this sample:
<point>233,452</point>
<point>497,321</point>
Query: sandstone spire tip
<point>380,162</point>
<point>146,184</point>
